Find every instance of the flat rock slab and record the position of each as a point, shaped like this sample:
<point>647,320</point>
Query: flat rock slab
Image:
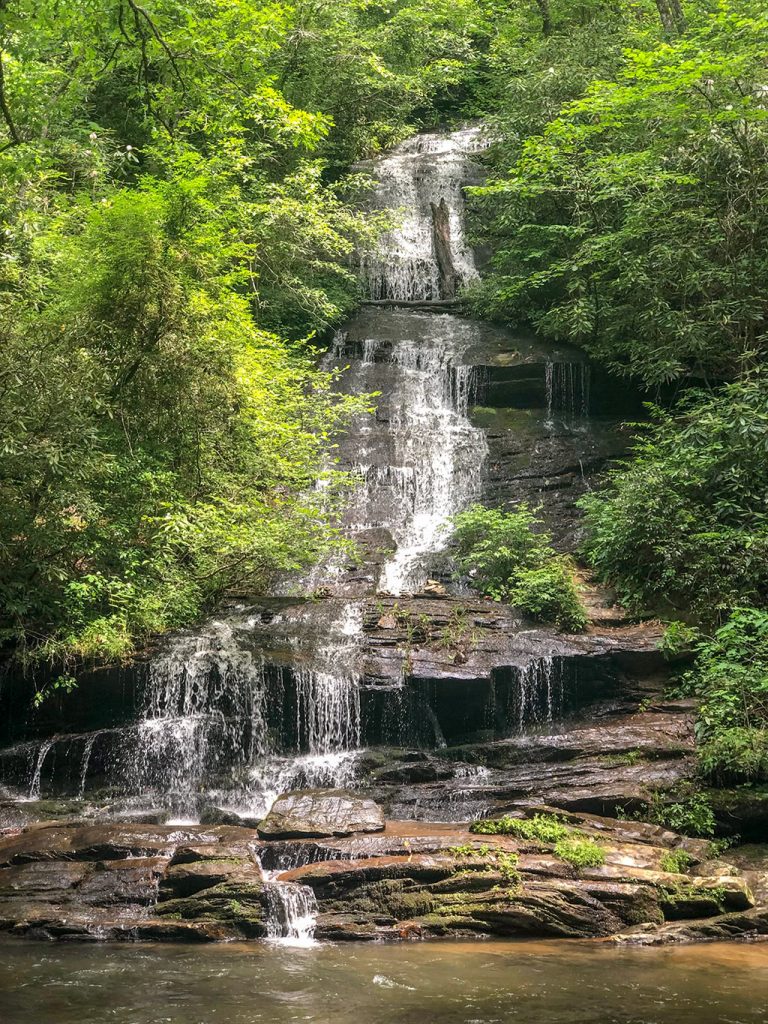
<point>320,813</point>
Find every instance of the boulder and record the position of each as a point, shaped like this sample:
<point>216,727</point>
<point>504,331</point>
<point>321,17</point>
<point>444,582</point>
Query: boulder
<point>320,813</point>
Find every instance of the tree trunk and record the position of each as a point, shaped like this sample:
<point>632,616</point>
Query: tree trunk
<point>441,233</point>
<point>546,16</point>
<point>672,17</point>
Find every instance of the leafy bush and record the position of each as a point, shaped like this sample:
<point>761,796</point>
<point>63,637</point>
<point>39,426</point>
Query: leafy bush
<point>690,814</point>
<point>580,851</point>
<point>735,756</point>
<point>731,674</point>
<point>546,828</point>
<point>683,526</point>
<point>510,558</point>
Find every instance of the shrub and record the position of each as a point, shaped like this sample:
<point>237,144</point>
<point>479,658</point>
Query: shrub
<point>683,525</point>
<point>735,756</point>
<point>510,558</point>
<point>731,675</point>
<point>549,593</point>
<point>690,815</point>
<point>580,851</point>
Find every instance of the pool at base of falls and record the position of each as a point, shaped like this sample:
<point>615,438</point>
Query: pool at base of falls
<point>357,983</point>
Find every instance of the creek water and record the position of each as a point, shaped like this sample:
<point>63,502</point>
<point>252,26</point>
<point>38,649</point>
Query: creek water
<point>449,983</point>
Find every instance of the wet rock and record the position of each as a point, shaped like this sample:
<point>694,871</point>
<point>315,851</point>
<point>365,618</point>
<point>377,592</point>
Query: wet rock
<point>181,880</point>
<point>622,739</point>
<point>110,842</point>
<point>16,814</point>
<point>319,813</point>
<point>211,814</point>
<point>751,924</point>
<point>407,881</point>
<point>239,904</point>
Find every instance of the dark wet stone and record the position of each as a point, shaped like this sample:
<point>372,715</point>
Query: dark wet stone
<point>319,813</point>
<point>211,814</point>
<point>183,880</point>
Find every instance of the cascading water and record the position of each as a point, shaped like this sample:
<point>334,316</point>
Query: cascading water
<point>418,175</point>
<point>34,786</point>
<point>567,390</point>
<point>435,455</point>
<point>291,913</point>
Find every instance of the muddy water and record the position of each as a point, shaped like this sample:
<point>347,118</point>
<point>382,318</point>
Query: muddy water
<point>456,983</point>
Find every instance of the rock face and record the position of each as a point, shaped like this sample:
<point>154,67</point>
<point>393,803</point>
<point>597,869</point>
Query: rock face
<point>318,813</point>
<point>409,880</point>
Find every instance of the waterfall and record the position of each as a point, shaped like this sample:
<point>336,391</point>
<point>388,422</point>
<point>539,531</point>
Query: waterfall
<point>34,786</point>
<point>538,693</point>
<point>567,389</point>
<point>291,913</point>
<point>437,455</point>
<point>423,174</point>
<point>266,699</point>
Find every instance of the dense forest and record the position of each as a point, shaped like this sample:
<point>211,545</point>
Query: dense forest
<point>182,215</point>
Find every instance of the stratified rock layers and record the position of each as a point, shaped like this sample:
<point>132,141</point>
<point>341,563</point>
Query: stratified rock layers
<point>136,882</point>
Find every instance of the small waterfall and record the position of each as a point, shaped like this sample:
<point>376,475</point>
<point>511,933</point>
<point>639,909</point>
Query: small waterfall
<point>204,708</point>
<point>567,390</point>
<point>276,775</point>
<point>540,693</point>
<point>85,762</point>
<point>291,913</point>
<point>34,786</point>
<point>328,689</point>
<point>423,174</point>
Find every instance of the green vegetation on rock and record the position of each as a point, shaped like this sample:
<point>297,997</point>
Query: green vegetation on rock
<point>509,557</point>
<point>546,828</point>
<point>580,851</point>
<point>676,861</point>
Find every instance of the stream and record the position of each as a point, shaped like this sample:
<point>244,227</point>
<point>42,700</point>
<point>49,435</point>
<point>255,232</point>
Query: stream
<point>456,983</point>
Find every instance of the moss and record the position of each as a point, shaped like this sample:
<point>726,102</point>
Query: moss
<point>241,905</point>
<point>676,862</point>
<point>687,900</point>
<point>626,759</point>
<point>580,851</point>
<point>547,828</point>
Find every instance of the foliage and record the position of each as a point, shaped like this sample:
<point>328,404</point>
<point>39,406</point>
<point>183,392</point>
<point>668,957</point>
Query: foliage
<point>735,756</point>
<point>690,813</point>
<point>580,851</point>
<point>546,828</point>
<point>683,524</point>
<point>506,864</point>
<point>173,234</point>
<point>633,223</point>
<point>676,861</point>
<point>731,674</point>
<point>509,558</point>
